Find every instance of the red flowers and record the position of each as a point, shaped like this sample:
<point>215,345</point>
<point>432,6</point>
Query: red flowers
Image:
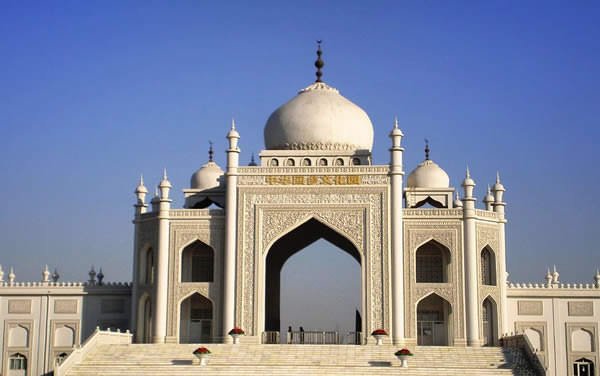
<point>404,352</point>
<point>379,332</point>
<point>237,331</point>
<point>202,350</point>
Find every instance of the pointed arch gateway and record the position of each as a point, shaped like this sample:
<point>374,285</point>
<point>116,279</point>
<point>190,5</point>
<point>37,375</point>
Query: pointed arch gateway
<point>284,248</point>
<point>196,319</point>
<point>434,321</point>
<point>489,324</point>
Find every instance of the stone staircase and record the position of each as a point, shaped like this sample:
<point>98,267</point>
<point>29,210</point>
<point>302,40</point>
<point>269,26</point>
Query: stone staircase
<point>246,359</point>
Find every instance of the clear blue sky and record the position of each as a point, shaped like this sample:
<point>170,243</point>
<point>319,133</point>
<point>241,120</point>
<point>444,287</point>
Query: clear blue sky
<point>93,93</point>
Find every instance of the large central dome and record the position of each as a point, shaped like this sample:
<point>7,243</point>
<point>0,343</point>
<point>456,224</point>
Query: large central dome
<point>319,118</point>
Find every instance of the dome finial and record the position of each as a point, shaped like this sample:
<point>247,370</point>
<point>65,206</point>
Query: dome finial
<point>427,149</point>
<point>319,63</point>
<point>210,151</point>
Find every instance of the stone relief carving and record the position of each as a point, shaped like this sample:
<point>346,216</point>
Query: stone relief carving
<point>341,209</point>
<point>581,308</point>
<point>530,308</point>
<point>65,306</point>
<point>19,306</point>
<point>448,233</point>
<point>207,230</point>
<point>488,235</point>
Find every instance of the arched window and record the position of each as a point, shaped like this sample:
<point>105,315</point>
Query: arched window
<point>583,367</point>
<point>356,161</point>
<point>290,162</point>
<point>488,267</point>
<point>339,162</point>
<point>274,162</point>
<point>197,263</point>
<point>432,261</point>
<point>17,361</point>
<point>322,162</point>
<point>306,162</point>
<point>148,275</point>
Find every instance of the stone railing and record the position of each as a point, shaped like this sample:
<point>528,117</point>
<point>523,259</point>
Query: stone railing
<point>521,342</point>
<point>65,284</point>
<point>581,286</point>
<point>99,337</point>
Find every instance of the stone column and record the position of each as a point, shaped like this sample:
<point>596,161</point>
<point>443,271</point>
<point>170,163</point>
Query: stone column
<point>498,207</point>
<point>470,256</point>
<point>140,208</point>
<point>162,267</point>
<point>397,249</point>
<point>233,154</point>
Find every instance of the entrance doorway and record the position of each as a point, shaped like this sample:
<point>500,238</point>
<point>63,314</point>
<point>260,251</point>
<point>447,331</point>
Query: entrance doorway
<point>433,321</point>
<point>196,320</point>
<point>322,262</point>
<point>489,322</point>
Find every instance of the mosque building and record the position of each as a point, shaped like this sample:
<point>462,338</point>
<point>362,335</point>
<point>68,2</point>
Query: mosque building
<point>432,259</point>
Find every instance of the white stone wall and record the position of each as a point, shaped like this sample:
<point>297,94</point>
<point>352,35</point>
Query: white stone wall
<point>562,323</point>
<point>42,321</point>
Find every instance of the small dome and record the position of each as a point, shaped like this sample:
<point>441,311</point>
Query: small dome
<point>428,175</point>
<point>319,118</point>
<point>207,176</point>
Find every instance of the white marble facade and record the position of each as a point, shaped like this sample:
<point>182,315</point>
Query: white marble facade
<point>433,260</point>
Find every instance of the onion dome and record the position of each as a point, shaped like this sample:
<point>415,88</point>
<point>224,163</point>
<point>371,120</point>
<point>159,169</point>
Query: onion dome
<point>428,174</point>
<point>319,118</point>
<point>208,176</point>
<point>498,186</point>
<point>141,188</point>
<point>457,202</point>
<point>489,198</point>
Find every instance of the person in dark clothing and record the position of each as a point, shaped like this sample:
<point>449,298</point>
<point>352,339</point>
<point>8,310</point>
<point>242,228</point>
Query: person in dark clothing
<point>301,335</point>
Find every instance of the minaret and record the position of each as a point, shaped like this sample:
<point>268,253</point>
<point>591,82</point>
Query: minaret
<point>396,177</point>
<point>231,177</point>
<point>11,276</point>
<point>457,202</point>
<point>92,274</point>
<point>140,193</point>
<point>162,267</point>
<point>596,278</point>
<point>46,275</point>
<point>470,255</point>
<point>140,208</point>
<point>1,275</point>
<point>498,206</point>
<point>488,200</point>
<point>548,278</point>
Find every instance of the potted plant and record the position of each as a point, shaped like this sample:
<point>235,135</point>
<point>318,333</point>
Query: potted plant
<point>236,333</point>
<point>203,354</point>
<point>403,356</point>
<point>379,334</point>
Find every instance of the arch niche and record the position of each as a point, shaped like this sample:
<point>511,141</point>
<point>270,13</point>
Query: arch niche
<point>284,248</point>
<point>489,322</point>
<point>434,321</point>
<point>196,319</point>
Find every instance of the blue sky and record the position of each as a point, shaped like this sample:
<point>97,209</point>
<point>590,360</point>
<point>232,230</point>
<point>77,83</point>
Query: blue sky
<point>94,93</point>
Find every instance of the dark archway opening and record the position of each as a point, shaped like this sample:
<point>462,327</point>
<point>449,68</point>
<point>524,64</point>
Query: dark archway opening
<point>284,248</point>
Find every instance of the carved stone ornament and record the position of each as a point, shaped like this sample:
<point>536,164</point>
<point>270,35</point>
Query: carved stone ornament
<point>448,233</point>
<point>581,308</point>
<point>65,306</point>
<point>19,306</point>
<point>209,231</point>
<point>530,308</point>
<point>269,213</point>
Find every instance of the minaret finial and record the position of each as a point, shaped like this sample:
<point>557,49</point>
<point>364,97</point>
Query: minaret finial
<point>395,122</point>
<point>141,179</point>
<point>427,149</point>
<point>210,151</point>
<point>232,123</point>
<point>468,173</point>
<point>319,63</point>
<point>165,174</point>
<point>497,177</point>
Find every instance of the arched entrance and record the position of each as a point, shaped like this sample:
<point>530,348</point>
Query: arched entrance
<point>489,322</point>
<point>196,318</point>
<point>434,323</point>
<point>144,320</point>
<point>284,248</point>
